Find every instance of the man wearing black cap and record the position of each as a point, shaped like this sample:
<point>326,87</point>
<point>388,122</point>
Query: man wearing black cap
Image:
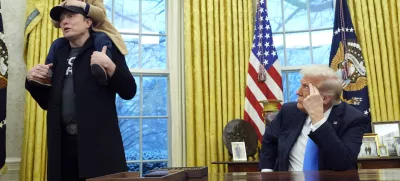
<point>84,139</point>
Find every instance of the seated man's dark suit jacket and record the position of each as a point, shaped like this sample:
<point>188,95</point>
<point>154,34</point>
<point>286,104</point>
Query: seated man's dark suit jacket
<point>338,139</point>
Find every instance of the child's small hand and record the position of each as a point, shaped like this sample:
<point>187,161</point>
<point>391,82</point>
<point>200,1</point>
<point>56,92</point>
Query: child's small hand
<point>74,3</point>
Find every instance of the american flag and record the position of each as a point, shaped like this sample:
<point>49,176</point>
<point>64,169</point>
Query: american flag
<point>3,97</point>
<point>264,81</point>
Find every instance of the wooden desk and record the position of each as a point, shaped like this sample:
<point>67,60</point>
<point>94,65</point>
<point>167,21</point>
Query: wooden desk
<point>250,166</point>
<point>363,163</point>
<point>378,163</point>
<point>353,175</point>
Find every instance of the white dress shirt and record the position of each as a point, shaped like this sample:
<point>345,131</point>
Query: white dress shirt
<point>296,155</point>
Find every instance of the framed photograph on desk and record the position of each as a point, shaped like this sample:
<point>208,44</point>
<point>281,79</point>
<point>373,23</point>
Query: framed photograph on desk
<point>383,151</point>
<point>239,151</point>
<point>369,146</point>
<point>387,131</point>
<point>397,143</point>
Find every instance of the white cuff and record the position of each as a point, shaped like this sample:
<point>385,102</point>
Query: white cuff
<point>314,127</point>
<point>266,170</point>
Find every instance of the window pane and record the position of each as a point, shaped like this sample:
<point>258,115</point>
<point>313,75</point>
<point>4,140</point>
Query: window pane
<point>321,13</point>
<point>153,14</point>
<point>296,17</point>
<point>155,92</point>
<point>321,42</point>
<point>132,44</point>
<point>275,14</point>
<point>294,84</point>
<point>144,138</point>
<point>108,6</point>
<point>130,137</point>
<point>153,166</point>
<point>298,49</point>
<point>278,42</point>
<point>126,15</point>
<point>154,52</point>
<point>133,167</point>
<point>155,139</point>
<point>285,88</point>
<point>129,107</point>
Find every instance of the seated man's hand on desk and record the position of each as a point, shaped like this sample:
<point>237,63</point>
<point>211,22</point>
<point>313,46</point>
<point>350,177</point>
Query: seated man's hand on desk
<point>266,170</point>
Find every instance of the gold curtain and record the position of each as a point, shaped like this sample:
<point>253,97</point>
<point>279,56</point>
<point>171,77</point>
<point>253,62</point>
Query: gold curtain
<point>377,27</point>
<point>39,34</point>
<point>218,38</point>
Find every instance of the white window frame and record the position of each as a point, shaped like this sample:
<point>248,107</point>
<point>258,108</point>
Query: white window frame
<point>284,68</point>
<point>174,72</point>
<point>177,139</point>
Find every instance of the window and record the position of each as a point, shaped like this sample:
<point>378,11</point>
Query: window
<point>144,120</point>
<point>302,33</point>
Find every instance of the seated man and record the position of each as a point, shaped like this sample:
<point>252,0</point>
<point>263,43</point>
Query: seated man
<point>319,132</point>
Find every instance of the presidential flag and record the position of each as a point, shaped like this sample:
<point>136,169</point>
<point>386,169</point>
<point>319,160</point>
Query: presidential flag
<point>347,60</point>
<point>3,97</point>
<point>264,81</point>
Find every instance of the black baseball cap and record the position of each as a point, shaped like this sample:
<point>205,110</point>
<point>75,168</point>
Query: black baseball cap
<point>55,12</point>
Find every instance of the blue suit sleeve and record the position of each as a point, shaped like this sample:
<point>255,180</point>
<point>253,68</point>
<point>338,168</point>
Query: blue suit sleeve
<point>269,147</point>
<point>341,153</point>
